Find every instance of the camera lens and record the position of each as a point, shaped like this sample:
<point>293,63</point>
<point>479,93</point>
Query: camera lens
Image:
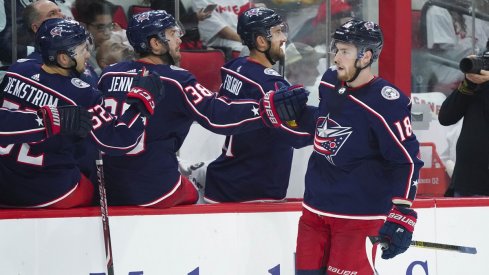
<point>471,65</point>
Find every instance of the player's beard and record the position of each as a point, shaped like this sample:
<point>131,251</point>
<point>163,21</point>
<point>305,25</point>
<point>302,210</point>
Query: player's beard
<point>346,74</point>
<point>175,54</point>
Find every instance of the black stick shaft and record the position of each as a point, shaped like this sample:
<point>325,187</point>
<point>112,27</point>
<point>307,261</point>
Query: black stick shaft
<point>421,244</point>
<point>105,215</point>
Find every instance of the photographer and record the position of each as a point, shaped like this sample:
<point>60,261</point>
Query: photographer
<point>471,102</point>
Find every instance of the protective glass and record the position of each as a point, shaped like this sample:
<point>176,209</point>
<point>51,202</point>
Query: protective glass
<point>281,29</point>
<point>343,52</point>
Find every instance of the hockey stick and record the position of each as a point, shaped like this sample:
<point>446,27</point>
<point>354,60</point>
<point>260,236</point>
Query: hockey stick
<point>105,215</point>
<point>368,251</point>
<point>421,244</point>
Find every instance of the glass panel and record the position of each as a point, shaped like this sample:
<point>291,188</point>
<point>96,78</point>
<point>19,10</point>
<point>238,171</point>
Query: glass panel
<point>310,24</point>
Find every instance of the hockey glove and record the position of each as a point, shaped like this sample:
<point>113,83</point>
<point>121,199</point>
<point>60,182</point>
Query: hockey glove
<point>146,91</point>
<point>286,103</point>
<point>397,231</point>
<point>66,120</point>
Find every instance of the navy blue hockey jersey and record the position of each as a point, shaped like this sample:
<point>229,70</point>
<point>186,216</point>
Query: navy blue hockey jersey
<point>20,126</point>
<point>150,172</point>
<point>365,152</point>
<point>254,166</point>
<point>37,173</point>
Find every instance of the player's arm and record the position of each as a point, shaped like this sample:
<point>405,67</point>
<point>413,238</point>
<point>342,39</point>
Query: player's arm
<point>119,135</point>
<point>29,126</point>
<point>391,123</point>
<point>456,104</point>
<point>400,148</point>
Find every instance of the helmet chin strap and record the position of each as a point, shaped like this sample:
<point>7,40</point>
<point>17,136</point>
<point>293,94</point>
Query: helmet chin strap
<point>358,69</point>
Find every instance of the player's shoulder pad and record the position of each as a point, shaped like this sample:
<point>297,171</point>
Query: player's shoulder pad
<point>80,84</point>
<point>271,71</point>
<point>330,76</point>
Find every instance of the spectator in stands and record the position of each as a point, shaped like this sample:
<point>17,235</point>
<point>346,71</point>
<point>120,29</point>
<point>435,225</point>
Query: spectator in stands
<point>313,30</point>
<point>112,51</point>
<point>25,43</point>
<point>219,30</point>
<point>96,16</point>
<point>189,18</point>
<point>450,35</point>
<point>470,101</point>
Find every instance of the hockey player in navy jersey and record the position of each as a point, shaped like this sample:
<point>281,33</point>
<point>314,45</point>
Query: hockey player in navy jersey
<point>255,166</point>
<point>364,167</point>
<point>17,126</point>
<point>45,174</point>
<point>149,176</point>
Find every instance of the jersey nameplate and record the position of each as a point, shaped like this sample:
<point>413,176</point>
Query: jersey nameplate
<point>232,84</point>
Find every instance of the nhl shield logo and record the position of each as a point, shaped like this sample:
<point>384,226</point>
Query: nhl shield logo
<point>390,93</point>
<point>369,25</point>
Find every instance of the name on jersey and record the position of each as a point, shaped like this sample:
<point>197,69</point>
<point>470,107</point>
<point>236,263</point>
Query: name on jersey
<point>29,93</point>
<point>120,84</point>
<point>232,84</point>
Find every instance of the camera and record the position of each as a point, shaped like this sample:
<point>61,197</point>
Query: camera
<point>475,64</point>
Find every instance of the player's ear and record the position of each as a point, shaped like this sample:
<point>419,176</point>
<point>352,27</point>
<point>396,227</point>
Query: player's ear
<point>367,56</point>
<point>261,42</point>
<point>63,59</point>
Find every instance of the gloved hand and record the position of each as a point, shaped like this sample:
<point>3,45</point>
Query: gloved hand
<point>283,104</point>
<point>397,231</point>
<point>146,91</point>
<point>66,120</point>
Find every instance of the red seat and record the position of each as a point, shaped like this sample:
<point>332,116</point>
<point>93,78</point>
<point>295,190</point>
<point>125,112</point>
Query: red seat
<point>135,9</point>
<point>205,65</point>
<point>119,16</point>
<point>433,180</point>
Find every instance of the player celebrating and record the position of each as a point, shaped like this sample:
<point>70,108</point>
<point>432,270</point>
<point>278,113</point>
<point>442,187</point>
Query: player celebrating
<point>46,174</point>
<point>364,165</point>
<point>29,126</point>
<point>266,153</point>
<point>149,176</point>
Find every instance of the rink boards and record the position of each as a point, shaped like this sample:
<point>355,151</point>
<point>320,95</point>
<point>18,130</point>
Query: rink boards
<point>232,239</point>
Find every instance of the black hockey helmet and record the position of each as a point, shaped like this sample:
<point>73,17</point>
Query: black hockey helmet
<point>57,35</point>
<point>365,35</point>
<point>143,26</point>
<point>257,21</point>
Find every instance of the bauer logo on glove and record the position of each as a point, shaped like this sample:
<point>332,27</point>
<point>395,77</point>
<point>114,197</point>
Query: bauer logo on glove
<point>286,103</point>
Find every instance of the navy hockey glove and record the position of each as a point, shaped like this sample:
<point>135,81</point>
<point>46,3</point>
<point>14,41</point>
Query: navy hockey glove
<point>146,91</point>
<point>66,120</point>
<point>397,231</point>
<point>286,103</point>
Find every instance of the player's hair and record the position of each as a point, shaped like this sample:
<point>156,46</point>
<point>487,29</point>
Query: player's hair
<point>255,22</point>
<point>57,36</point>
<point>88,10</point>
<point>144,26</point>
<point>365,35</point>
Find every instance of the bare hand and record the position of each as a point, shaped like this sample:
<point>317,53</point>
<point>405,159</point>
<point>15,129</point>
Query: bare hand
<point>201,15</point>
<point>478,78</point>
